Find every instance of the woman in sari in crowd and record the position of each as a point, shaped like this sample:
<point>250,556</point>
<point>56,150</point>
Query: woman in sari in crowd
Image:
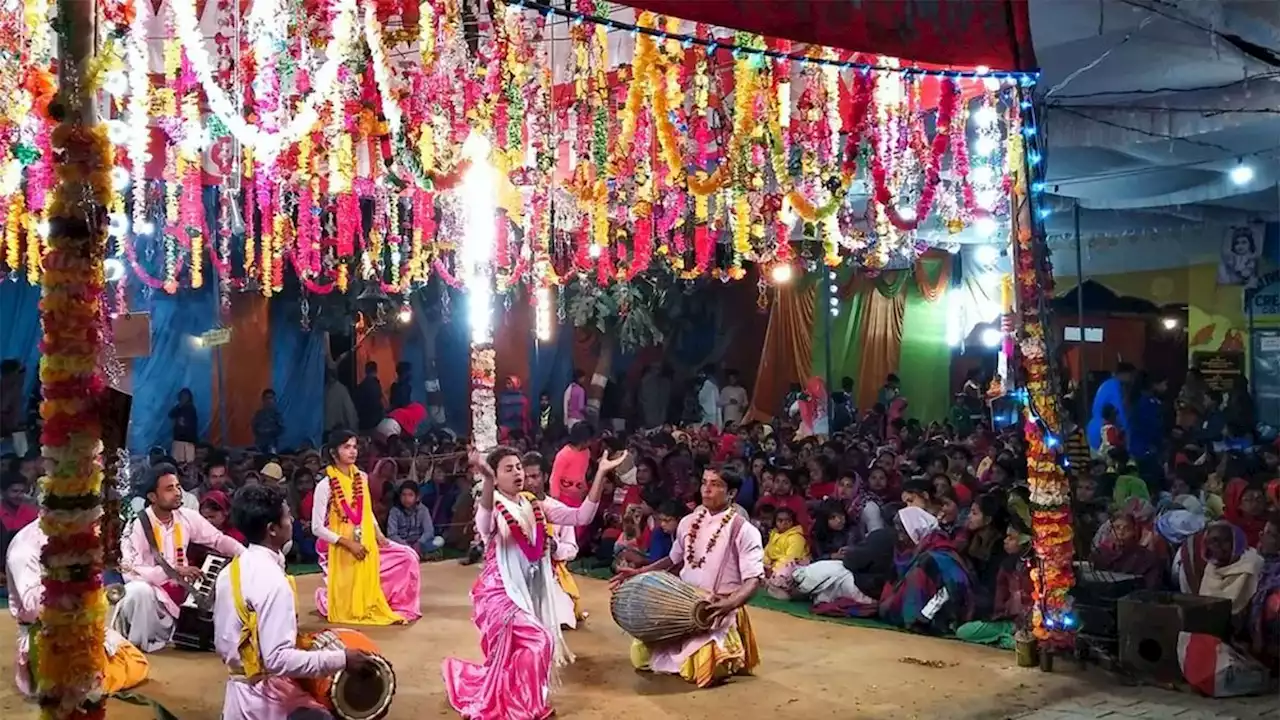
<point>1246,508</point>
<point>1142,513</point>
<point>1012,599</point>
<point>933,593</point>
<point>861,505</point>
<point>1232,568</point>
<point>981,541</point>
<point>812,407</point>
<point>1122,551</point>
<point>883,490</point>
<point>1264,609</point>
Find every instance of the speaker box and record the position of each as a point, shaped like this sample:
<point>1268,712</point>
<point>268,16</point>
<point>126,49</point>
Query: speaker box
<point>1150,621</point>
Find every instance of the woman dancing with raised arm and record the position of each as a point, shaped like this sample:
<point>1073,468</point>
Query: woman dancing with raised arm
<point>513,607</point>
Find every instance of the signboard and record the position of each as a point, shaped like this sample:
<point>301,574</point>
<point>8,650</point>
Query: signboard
<point>214,337</point>
<point>131,334</point>
<point>1219,369</point>
<point>1265,381</point>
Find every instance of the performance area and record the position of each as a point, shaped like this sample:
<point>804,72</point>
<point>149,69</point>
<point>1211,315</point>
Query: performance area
<point>811,669</point>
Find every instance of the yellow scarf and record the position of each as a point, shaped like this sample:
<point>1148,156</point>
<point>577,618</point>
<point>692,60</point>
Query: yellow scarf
<point>249,646</point>
<point>355,586</point>
<point>179,551</point>
<point>560,568</point>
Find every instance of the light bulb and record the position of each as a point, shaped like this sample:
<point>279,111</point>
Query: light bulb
<point>982,175</point>
<point>405,314</point>
<point>112,269</point>
<point>593,251</point>
<point>986,254</point>
<point>907,213</point>
<point>991,337</point>
<point>119,178</point>
<point>987,199</point>
<point>781,273</point>
<point>984,145</point>
<point>1242,174</point>
<point>986,226</point>
<point>985,116</point>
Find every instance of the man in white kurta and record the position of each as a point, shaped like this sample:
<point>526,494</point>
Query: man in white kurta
<point>126,667</point>
<point>564,543</point>
<point>149,608</point>
<point>255,620</point>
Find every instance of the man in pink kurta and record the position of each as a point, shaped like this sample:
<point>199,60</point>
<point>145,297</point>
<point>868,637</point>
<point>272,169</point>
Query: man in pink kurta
<point>146,613</point>
<point>720,551</point>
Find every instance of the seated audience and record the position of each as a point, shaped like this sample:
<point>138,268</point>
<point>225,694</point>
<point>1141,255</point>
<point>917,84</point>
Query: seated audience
<point>933,590</point>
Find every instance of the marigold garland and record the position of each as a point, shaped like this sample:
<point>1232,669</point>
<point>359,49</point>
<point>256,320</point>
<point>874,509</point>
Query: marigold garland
<point>70,642</point>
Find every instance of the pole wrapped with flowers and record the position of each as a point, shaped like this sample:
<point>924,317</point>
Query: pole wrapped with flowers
<point>1052,574</point>
<point>68,641</point>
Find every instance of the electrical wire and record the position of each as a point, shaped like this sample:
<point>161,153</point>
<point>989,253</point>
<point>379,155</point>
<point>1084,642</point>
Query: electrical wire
<point>1140,131</point>
<point>1173,90</point>
<point>1098,61</point>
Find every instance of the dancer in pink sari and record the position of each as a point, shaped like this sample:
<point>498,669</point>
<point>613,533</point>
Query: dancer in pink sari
<point>513,602</point>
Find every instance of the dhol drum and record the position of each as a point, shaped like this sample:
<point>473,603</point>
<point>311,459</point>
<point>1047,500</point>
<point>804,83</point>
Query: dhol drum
<point>658,608</point>
<point>350,696</point>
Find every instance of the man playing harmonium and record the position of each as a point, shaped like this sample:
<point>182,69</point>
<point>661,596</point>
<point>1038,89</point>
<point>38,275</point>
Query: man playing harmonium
<point>126,667</point>
<point>153,560</point>
<point>720,552</point>
<point>256,622</point>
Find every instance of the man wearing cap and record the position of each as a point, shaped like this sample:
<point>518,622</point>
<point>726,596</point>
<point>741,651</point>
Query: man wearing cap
<point>272,472</point>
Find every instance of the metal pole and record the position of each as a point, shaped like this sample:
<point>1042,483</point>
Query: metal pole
<point>1082,388</point>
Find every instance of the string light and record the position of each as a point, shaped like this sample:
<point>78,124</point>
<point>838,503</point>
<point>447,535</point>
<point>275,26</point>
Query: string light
<point>543,313</point>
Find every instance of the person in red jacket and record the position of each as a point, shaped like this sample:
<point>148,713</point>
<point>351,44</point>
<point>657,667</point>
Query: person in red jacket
<point>783,496</point>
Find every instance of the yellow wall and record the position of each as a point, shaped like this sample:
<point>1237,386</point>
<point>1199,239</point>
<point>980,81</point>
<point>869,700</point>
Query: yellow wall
<point>1216,318</point>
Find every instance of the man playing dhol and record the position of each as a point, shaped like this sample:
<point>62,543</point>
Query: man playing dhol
<point>721,552</point>
<point>255,619</point>
<point>153,560</point>
<point>126,667</point>
<point>564,544</point>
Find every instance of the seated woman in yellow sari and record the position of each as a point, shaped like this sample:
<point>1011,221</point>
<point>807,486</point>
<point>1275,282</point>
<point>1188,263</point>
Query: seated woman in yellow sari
<point>368,580</point>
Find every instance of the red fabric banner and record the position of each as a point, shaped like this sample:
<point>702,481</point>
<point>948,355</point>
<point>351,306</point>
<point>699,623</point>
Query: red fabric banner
<point>967,33</point>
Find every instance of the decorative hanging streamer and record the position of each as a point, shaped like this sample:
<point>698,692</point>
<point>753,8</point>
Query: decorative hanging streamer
<point>933,288</point>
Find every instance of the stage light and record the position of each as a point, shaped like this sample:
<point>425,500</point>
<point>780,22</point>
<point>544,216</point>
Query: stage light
<point>985,116</point>
<point>985,145</point>
<point>782,273</point>
<point>593,250</point>
<point>986,226</point>
<point>992,337</point>
<point>112,269</point>
<point>988,198</point>
<point>1242,174</point>
<point>907,213</point>
<point>1170,323</point>
<point>405,314</point>
<point>986,254</point>
<point>480,235</point>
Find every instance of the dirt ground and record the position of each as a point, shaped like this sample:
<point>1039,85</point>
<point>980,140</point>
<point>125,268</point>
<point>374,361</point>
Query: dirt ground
<point>810,670</point>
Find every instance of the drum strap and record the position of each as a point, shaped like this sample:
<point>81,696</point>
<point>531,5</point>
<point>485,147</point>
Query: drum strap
<point>731,554</point>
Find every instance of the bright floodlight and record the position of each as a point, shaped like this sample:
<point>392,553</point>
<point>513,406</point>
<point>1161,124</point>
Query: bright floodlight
<point>782,273</point>
<point>1242,174</point>
<point>112,269</point>
<point>992,337</point>
<point>986,254</point>
<point>907,212</point>
<point>1170,323</point>
<point>405,314</point>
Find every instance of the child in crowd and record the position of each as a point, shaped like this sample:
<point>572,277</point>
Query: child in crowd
<point>409,523</point>
<point>268,423</point>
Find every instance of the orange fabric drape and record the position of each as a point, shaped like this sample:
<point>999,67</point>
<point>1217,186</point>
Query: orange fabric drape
<point>511,343</point>
<point>384,348</point>
<point>787,355</point>
<point>881,343</point>
<point>932,288</point>
<point>245,371</point>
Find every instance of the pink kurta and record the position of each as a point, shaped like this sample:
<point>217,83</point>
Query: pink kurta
<point>267,591</point>
<point>514,682</point>
<point>137,562</point>
<point>731,564</point>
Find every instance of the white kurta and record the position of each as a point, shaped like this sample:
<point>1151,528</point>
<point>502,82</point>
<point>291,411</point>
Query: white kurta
<point>146,613</point>
<point>26,595</point>
<point>566,550</point>
<point>267,591</point>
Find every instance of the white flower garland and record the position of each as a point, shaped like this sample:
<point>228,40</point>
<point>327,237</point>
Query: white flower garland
<point>267,143</point>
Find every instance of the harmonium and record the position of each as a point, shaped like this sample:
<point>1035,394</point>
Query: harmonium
<point>193,630</point>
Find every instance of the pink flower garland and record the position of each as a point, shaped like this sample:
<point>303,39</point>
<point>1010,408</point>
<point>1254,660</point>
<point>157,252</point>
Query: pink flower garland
<point>947,104</point>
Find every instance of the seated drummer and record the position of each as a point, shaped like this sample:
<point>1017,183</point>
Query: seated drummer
<point>729,568</point>
<point>126,667</point>
<point>255,619</point>
<point>153,560</point>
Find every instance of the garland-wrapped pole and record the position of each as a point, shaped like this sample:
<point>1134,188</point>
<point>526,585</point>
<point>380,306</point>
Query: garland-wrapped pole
<point>69,651</point>
<point>1053,622</point>
<point>478,194</point>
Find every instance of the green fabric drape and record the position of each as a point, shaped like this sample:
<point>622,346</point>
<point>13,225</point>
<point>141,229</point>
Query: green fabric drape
<point>846,333</point>
<point>890,284</point>
<point>924,365</point>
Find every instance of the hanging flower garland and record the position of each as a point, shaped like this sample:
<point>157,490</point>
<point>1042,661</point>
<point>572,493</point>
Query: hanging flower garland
<point>73,616</point>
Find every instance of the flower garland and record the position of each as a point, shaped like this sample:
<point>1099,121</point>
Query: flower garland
<point>1052,575</point>
<point>690,557</point>
<point>73,617</point>
<point>484,422</point>
<point>533,548</point>
<point>354,509</point>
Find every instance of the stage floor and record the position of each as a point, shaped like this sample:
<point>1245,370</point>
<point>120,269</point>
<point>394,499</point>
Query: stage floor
<point>811,670</point>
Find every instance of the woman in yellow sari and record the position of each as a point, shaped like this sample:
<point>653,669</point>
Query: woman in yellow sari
<point>368,580</point>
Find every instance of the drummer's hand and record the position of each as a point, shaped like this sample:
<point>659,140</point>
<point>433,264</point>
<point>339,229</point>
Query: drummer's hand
<point>359,662</point>
<point>721,606</point>
<point>354,548</point>
<point>622,576</point>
